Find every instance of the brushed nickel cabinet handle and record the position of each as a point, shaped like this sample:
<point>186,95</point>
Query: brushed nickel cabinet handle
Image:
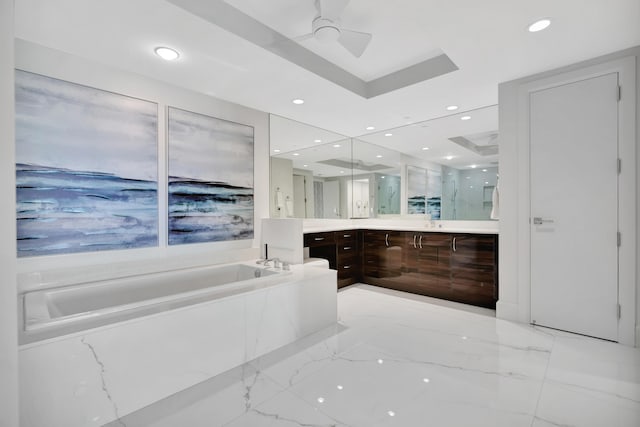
<point>420,242</point>
<point>386,239</point>
<point>346,235</point>
<point>317,239</point>
<point>346,267</point>
<point>347,248</point>
<point>453,244</point>
<point>414,242</point>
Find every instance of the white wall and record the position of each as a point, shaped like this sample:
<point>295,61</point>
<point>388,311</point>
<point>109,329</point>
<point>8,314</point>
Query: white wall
<point>310,205</point>
<point>514,277</point>
<point>38,59</point>
<point>8,307</point>
<point>281,180</point>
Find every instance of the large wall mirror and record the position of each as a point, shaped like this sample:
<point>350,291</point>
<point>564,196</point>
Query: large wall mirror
<point>445,168</point>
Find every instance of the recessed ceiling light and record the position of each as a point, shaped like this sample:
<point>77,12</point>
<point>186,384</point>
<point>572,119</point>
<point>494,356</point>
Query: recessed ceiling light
<point>382,177</point>
<point>379,156</point>
<point>474,166</point>
<point>317,140</point>
<point>298,101</point>
<point>388,134</point>
<point>166,53</point>
<point>339,387</point>
<point>539,25</point>
<point>320,399</point>
<point>425,148</point>
<point>276,150</point>
<point>337,145</point>
<point>391,413</point>
<point>486,182</point>
<point>341,171</point>
<point>304,166</point>
<point>370,128</point>
<point>449,157</point>
<point>465,118</point>
<point>452,107</point>
<point>426,380</point>
<point>484,170</point>
<point>296,154</point>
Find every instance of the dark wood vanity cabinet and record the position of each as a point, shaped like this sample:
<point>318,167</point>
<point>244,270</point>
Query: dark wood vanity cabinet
<point>453,266</point>
<point>382,254</point>
<point>341,249</point>
<point>428,263</point>
<point>474,272</point>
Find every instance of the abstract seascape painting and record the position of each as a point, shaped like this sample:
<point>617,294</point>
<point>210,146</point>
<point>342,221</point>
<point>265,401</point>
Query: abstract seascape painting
<point>86,168</point>
<point>210,179</point>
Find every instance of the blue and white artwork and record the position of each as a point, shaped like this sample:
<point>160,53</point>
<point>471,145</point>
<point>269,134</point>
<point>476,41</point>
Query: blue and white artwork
<point>86,168</point>
<point>416,190</point>
<point>210,179</point>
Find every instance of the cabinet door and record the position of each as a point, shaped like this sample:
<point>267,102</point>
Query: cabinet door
<point>434,259</point>
<point>473,269</point>
<point>382,256</point>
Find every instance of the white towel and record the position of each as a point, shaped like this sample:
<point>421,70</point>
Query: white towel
<point>495,199</point>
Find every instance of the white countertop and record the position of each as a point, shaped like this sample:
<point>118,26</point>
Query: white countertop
<point>474,227</point>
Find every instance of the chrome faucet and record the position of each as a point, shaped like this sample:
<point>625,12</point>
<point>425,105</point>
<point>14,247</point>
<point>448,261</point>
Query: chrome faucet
<point>265,262</point>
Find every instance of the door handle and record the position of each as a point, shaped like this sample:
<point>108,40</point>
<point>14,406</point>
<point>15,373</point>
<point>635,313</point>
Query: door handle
<point>539,221</point>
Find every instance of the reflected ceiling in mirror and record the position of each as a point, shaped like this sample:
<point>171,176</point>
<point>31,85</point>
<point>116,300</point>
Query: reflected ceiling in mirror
<point>460,140</point>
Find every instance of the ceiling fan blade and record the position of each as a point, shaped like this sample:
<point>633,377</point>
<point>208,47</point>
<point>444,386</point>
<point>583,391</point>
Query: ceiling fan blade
<point>302,38</point>
<point>331,9</point>
<point>354,41</point>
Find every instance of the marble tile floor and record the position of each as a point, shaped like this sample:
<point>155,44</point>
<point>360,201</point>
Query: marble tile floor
<point>396,359</point>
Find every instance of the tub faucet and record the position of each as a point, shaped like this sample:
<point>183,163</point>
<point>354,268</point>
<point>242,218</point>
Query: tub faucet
<point>276,262</point>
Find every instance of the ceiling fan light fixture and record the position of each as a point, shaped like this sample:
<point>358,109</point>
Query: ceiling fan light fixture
<point>325,30</point>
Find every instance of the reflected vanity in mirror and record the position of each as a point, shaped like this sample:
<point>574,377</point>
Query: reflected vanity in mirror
<point>440,169</point>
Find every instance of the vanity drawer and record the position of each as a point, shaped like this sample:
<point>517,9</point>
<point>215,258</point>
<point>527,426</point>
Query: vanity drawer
<point>319,239</point>
<point>347,236</point>
<point>347,249</point>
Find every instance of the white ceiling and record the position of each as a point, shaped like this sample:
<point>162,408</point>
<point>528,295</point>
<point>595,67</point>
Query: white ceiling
<point>486,39</point>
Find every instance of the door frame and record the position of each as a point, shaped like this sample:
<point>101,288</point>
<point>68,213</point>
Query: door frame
<point>518,304</point>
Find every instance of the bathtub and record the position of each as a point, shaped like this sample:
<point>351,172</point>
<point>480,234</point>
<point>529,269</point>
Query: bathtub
<point>61,310</point>
<point>91,353</point>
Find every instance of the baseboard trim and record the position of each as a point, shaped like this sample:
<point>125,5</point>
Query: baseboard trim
<point>507,311</point>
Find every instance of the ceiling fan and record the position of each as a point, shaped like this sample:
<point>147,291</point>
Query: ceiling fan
<point>326,28</point>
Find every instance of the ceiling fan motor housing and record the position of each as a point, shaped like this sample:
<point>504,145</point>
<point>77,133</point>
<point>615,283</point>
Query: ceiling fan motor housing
<point>325,30</point>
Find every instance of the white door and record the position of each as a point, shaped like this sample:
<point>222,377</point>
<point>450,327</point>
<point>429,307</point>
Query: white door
<point>574,207</point>
<point>299,196</point>
<point>331,199</point>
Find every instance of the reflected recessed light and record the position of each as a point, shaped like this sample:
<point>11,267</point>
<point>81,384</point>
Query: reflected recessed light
<point>388,134</point>
<point>471,186</point>
<point>425,148</point>
<point>486,182</point>
<point>465,118</point>
<point>391,413</point>
<point>320,399</point>
<point>336,146</point>
<point>539,25</point>
<point>380,361</point>
<point>426,380</point>
<point>382,176</point>
<point>452,107</point>
<point>276,150</point>
<point>484,170</point>
<point>341,171</point>
<point>370,128</point>
<point>296,154</point>
<point>317,140</point>
<point>449,157</point>
<point>167,53</point>
<point>464,338</point>
<point>474,166</point>
<point>379,156</point>
<point>304,166</point>
<point>468,177</point>
<point>339,387</point>
<point>298,101</point>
